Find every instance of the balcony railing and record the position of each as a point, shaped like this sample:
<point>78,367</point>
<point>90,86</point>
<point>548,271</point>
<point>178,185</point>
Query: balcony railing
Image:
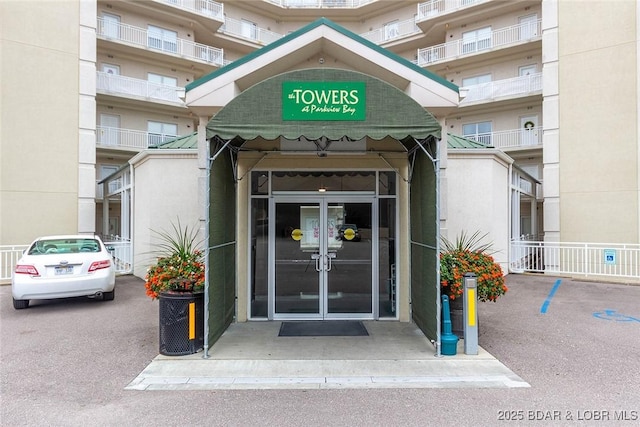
<point>110,137</point>
<point>320,4</point>
<point>501,89</point>
<point>141,38</point>
<point>514,138</point>
<point>392,31</point>
<point>137,88</point>
<point>502,38</point>
<point>206,8</point>
<point>576,259</point>
<point>435,8</point>
<point>241,29</point>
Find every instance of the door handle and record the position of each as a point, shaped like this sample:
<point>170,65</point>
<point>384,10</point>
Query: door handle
<point>317,258</point>
<point>330,256</point>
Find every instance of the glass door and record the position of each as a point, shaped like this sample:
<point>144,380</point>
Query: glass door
<point>322,263</point>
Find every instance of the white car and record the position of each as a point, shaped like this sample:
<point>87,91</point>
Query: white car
<point>62,267</point>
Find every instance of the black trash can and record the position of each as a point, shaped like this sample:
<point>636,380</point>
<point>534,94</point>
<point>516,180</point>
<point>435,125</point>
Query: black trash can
<point>181,323</point>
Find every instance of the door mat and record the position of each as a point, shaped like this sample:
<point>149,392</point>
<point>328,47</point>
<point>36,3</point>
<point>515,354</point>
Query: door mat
<point>328,328</point>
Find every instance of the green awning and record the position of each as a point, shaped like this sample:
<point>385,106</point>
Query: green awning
<point>257,112</point>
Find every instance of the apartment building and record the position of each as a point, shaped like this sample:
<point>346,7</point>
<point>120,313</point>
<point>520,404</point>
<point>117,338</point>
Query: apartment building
<point>89,85</point>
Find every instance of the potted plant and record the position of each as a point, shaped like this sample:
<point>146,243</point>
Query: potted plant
<point>469,255</point>
<point>177,281</point>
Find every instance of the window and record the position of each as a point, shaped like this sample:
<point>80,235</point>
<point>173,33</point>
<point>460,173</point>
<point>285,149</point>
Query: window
<point>480,131</point>
<point>159,38</point>
<point>249,29</point>
<point>473,41</point>
<point>391,30</point>
<point>162,80</point>
<point>111,69</point>
<point>159,132</point>
<point>476,80</point>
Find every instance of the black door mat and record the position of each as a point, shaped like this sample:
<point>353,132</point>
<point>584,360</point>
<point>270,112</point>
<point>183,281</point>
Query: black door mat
<point>326,328</point>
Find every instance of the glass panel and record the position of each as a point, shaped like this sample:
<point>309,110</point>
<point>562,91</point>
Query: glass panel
<point>259,257</point>
<point>330,181</point>
<point>387,183</point>
<point>387,258</point>
<point>296,243</point>
<point>349,258</point>
<point>259,183</point>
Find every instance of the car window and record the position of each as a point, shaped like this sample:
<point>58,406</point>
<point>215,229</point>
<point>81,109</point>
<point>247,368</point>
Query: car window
<point>65,246</point>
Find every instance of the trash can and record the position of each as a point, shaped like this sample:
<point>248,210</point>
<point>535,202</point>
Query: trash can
<point>181,323</point>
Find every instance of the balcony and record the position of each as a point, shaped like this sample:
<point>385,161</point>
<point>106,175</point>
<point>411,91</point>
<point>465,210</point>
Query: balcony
<point>510,139</point>
<point>392,32</point>
<point>501,90</point>
<point>320,4</point>
<point>434,8</point>
<point>110,84</point>
<point>206,8</point>
<point>499,39</point>
<point>128,139</point>
<point>238,28</point>
<point>140,38</point>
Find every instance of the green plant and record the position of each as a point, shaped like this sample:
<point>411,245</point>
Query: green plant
<point>469,255</point>
<point>180,264</point>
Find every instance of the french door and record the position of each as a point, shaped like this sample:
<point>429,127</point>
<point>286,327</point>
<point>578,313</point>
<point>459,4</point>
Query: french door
<point>322,252</point>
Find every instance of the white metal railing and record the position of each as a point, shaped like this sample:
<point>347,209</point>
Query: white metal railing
<point>498,39</point>
<point>206,8</point>
<point>514,87</point>
<point>392,31</point>
<point>320,4</point>
<point>121,250</point>
<point>245,30</point>
<point>141,38</point>
<point>110,137</point>
<point>433,8</point>
<point>137,88</point>
<point>576,259</point>
<point>513,138</point>
<point>9,256</point>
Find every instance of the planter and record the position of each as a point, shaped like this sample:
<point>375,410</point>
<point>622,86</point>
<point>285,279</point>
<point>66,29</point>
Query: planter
<point>181,322</point>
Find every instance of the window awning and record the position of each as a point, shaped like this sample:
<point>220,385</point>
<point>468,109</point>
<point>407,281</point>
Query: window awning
<point>257,112</point>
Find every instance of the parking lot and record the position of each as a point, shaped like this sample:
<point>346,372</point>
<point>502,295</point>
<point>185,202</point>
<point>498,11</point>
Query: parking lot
<point>577,343</point>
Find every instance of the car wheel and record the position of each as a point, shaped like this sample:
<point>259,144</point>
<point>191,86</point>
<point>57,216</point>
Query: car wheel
<point>19,304</point>
<point>108,296</point>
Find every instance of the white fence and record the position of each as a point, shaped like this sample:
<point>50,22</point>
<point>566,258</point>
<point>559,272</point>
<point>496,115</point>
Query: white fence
<point>120,249</point>
<point>576,259</point>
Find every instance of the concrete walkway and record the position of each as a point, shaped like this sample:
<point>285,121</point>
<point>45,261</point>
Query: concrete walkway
<point>251,355</point>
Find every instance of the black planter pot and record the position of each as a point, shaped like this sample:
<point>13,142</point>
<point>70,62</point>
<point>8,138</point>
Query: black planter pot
<point>181,323</point>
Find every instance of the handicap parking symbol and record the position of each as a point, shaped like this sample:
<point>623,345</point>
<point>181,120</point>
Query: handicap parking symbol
<point>610,314</point>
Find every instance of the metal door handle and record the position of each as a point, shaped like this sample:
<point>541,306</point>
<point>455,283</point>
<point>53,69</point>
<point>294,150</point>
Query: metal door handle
<point>317,258</point>
<point>330,256</point>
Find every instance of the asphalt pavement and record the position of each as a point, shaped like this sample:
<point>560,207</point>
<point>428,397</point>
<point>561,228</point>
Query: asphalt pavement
<point>576,343</point>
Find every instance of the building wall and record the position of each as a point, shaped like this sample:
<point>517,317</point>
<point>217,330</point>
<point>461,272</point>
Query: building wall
<point>44,103</point>
<point>158,173</point>
<point>598,111</point>
<point>478,188</point>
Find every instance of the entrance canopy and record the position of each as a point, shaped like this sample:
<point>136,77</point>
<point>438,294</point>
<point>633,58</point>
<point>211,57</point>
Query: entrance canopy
<point>258,112</point>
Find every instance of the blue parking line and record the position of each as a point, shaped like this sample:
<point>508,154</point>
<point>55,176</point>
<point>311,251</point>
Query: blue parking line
<point>545,304</point>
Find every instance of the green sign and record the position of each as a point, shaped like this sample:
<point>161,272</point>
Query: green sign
<point>308,101</point>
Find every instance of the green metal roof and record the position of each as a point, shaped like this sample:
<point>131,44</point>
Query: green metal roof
<point>191,142</point>
<point>321,21</point>
<point>455,141</point>
<point>186,142</point>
